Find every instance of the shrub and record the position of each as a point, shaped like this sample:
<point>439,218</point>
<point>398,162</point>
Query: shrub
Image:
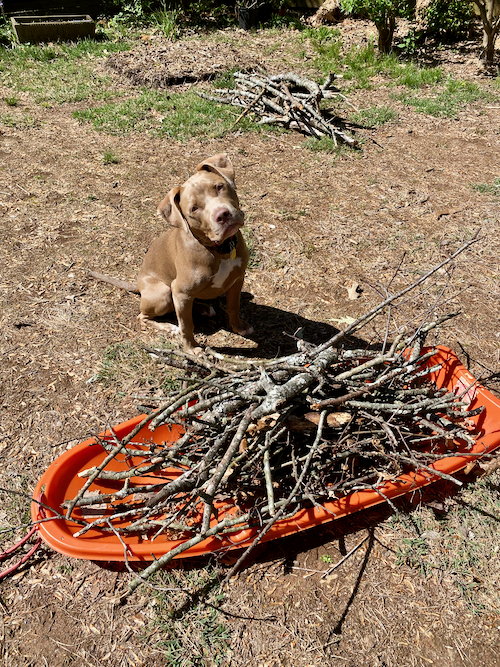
<point>448,19</point>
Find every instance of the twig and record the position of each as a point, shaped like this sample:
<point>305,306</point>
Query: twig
<point>346,557</point>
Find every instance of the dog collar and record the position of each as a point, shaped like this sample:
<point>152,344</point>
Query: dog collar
<point>227,246</point>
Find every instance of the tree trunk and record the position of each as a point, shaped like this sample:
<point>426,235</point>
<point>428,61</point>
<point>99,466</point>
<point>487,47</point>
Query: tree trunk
<point>386,33</point>
<point>489,47</point>
<point>489,12</point>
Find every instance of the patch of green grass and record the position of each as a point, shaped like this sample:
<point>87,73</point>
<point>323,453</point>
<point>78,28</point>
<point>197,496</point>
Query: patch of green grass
<point>361,64</point>
<point>24,121</point>
<point>179,116</point>
<point>167,21</point>
<point>448,102</point>
<point>120,359</point>
<point>321,35</point>
<point>58,73</point>
<point>471,543</point>
<point>414,552</point>
<point>327,145</point>
<point>488,188</point>
<point>373,116</point>
<point>225,79</point>
<point>11,101</point>
<point>328,46</point>
<point>187,627</point>
<point>110,158</point>
<point>413,76</point>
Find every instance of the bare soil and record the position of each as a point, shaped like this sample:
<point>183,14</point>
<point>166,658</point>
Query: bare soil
<point>317,223</point>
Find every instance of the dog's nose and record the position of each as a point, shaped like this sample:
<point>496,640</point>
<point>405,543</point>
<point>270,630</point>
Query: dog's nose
<point>223,216</point>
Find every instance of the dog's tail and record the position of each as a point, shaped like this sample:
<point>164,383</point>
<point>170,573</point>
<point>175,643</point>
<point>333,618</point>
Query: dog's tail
<point>116,282</point>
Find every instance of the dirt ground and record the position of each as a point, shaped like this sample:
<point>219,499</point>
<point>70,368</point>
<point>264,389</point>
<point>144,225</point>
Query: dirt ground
<point>316,223</point>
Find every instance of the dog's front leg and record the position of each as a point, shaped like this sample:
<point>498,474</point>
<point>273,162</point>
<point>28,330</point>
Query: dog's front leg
<point>183,304</point>
<point>233,309</point>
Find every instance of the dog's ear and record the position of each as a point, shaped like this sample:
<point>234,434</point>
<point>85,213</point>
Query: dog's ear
<point>221,165</point>
<point>170,210</point>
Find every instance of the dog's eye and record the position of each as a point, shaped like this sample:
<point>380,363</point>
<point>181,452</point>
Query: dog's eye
<point>194,209</point>
<point>219,187</point>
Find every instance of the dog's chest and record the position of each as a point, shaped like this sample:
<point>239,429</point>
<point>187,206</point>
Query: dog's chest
<point>226,267</point>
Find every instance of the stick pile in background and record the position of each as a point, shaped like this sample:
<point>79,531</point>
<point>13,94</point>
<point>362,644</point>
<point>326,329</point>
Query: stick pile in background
<point>288,100</point>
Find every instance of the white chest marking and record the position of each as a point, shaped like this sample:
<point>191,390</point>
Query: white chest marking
<point>225,268</point>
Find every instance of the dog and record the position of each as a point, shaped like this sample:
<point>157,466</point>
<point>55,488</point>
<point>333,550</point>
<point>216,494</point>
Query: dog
<point>201,256</point>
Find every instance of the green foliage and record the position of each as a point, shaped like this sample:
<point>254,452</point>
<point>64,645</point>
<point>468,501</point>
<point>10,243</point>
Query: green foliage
<point>361,64</point>
<point>321,35</point>
<point>326,145</point>
<point>7,36</point>
<point>383,13</point>
<point>449,19</point>
<point>135,12</point>
<point>210,14</point>
<point>378,10</point>
<point>168,16</point>
<point>408,45</point>
<point>168,23</point>
<point>327,558</point>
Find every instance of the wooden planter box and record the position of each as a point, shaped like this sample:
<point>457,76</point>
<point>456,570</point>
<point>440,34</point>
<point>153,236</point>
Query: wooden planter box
<point>66,28</point>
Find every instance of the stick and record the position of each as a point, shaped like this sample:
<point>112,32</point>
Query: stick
<point>346,557</point>
<point>281,511</point>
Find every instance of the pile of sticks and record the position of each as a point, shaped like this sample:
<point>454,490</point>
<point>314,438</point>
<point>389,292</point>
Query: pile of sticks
<point>271,436</point>
<point>288,100</point>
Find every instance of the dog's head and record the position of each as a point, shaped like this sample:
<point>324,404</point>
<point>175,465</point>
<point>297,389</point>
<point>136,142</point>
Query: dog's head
<point>207,204</point>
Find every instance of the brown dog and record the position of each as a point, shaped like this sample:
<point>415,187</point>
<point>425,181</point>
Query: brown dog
<point>202,256</point>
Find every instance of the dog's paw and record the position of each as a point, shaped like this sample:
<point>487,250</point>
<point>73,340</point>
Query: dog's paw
<point>146,322</point>
<point>243,329</point>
